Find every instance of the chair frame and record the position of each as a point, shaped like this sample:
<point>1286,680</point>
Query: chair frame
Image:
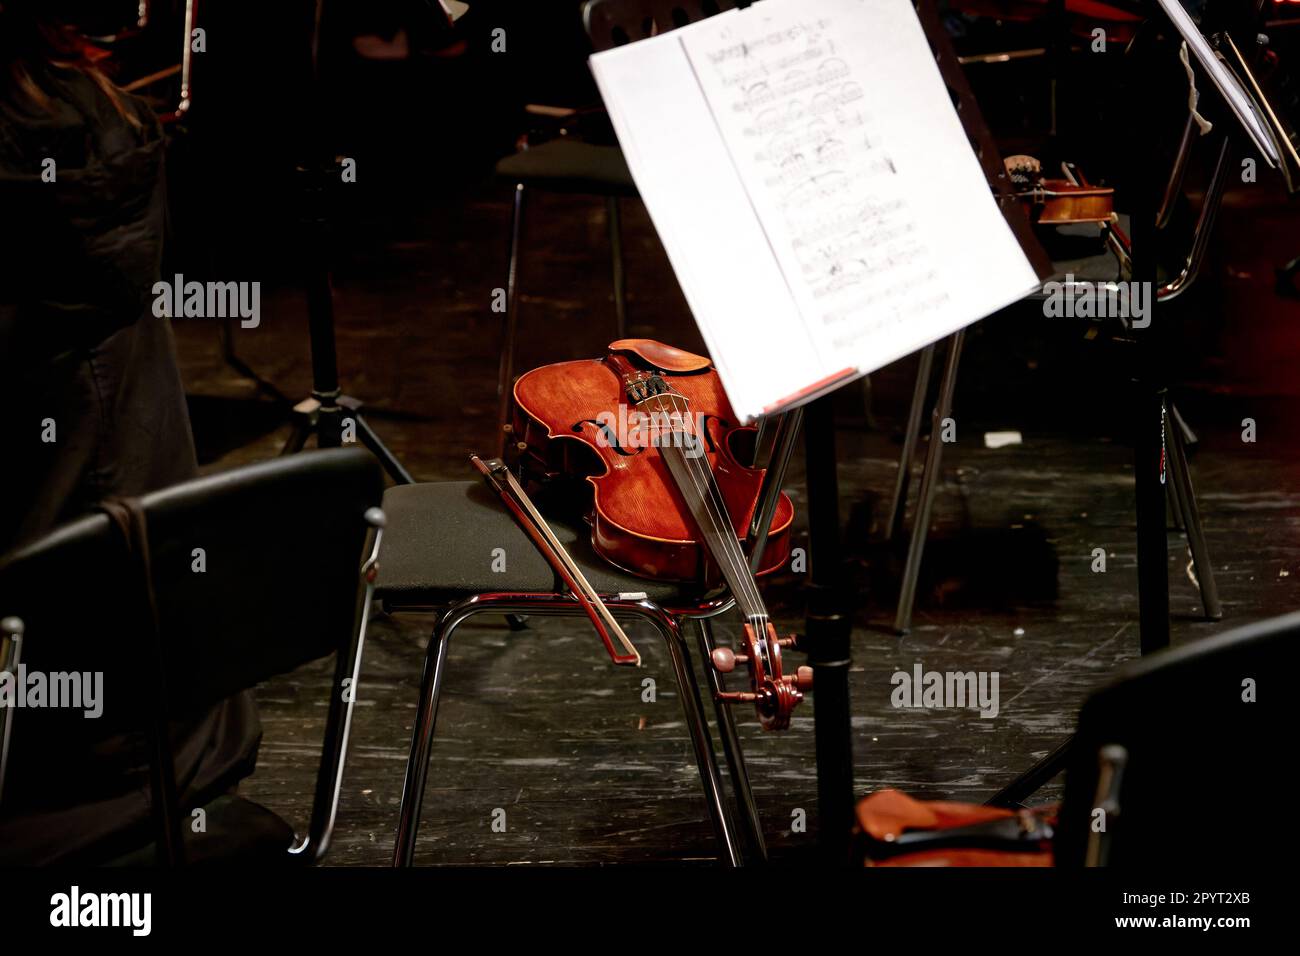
<point>311,847</point>
<point>775,445</point>
<point>11,654</point>
<point>338,725</point>
<point>666,622</point>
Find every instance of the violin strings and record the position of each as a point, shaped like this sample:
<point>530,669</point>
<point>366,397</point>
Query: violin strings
<point>742,576</point>
<point>734,554</point>
<point>718,517</point>
<point>702,477</point>
<point>721,518</point>
<point>743,585</point>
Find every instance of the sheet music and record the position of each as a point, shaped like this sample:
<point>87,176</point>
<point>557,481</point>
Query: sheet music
<point>837,182</point>
<point>715,243</point>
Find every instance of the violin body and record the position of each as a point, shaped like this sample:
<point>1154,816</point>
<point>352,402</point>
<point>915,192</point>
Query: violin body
<point>574,419</point>
<point>1059,202</point>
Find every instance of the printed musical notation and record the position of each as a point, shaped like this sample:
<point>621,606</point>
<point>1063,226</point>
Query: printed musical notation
<point>813,187</point>
<point>818,163</point>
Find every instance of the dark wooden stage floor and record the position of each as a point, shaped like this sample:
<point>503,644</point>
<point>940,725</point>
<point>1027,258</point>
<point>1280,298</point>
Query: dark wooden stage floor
<point>539,724</point>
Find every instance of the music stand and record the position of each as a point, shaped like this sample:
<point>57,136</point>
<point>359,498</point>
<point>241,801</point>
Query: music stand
<point>1257,123</point>
<point>829,622</point>
<point>326,410</point>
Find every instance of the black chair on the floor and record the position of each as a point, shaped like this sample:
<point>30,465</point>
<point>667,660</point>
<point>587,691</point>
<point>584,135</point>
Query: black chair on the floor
<point>1173,764</point>
<point>181,599</point>
<point>1181,752</point>
<point>438,554</point>
<point>568,163</point>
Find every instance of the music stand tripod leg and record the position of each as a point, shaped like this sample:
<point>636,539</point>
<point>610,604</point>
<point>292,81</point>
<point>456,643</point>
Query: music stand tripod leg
<point>302,428</point>
<point>898,505</point>
<point>317,176</point>
<point>929,485</point>
<point>1177,510</point>
<point>1180,479</point>
<point>352,413</point>
<point>1015,793</point>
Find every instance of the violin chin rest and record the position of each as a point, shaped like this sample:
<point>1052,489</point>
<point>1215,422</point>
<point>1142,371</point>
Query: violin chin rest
<point>662,356</point>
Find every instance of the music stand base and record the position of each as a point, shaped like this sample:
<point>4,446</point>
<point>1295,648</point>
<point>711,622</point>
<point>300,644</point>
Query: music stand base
<point>327,418</point>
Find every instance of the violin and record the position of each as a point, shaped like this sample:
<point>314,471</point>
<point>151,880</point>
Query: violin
<point>650,432</point>
<point>1059,202</point>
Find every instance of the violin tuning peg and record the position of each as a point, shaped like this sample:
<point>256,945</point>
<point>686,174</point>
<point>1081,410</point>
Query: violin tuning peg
<point>725,660</point>
<point>790,640</point>
<point>802,679</point>
<point>739,697</point>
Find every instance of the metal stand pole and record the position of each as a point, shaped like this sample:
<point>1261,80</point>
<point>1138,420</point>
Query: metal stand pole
<point>1149,373</point>
<point>327,410</point>
<point>826,636</point>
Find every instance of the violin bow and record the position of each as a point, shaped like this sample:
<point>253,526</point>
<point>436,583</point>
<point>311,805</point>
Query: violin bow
<point>502,481</point>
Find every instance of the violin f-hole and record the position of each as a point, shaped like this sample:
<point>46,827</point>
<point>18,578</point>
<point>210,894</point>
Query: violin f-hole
<point>607,434</point>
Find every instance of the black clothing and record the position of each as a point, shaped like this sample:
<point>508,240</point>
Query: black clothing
<point>84,361</point>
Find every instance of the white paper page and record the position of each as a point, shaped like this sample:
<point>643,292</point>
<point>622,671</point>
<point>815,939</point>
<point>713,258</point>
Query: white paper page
<point>845,138</point>
<point>717,248</point>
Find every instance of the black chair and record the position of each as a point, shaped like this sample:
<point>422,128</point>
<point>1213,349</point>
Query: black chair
<point>438,555</point>
<point>570,164</point>
<point>282,544</point>
<point>1180,763</point>
<point>1172,766</point>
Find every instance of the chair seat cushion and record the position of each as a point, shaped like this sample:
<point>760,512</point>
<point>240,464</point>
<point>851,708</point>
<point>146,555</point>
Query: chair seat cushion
<point>570,165</point>
<point>448,540</point>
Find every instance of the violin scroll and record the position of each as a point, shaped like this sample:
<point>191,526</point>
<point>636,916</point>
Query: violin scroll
<point>775,695</point>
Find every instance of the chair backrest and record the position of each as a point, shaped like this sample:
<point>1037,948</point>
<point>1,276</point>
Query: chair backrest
<point>1179,753</point>
<point>255,572</point>
<point>612,23</point>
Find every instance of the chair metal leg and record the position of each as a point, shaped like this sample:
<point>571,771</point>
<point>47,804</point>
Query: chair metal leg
<point>693,710</point>
<point>753,824</point>
<point>898,506</point>
<point>929,485</point>
<point>11,651</point>
<point>613,219</point>
<point>417,762</point>
<point>1180,474</point>
<point>338,729</point>
<point>510,321</point>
